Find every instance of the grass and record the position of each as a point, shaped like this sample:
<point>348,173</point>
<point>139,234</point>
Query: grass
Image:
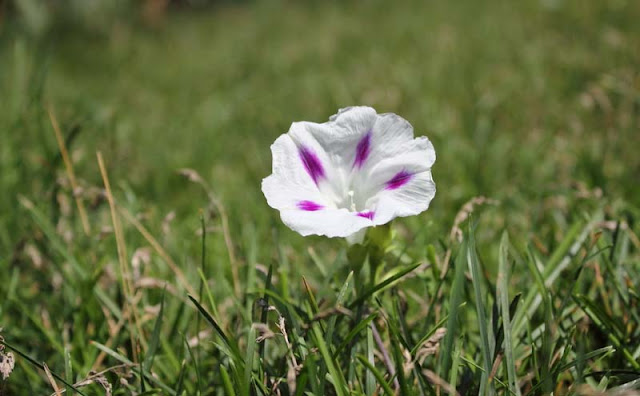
<point>138,254</point>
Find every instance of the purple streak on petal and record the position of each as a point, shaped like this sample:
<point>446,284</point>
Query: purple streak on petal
<point>309,206</point>
<point>368,214</point>
<point>363,150</point>
<point>311,163</point>
<point>400,179</point>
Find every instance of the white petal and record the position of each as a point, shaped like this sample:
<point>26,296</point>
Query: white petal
<point>290,182</point>
<point>411,199</point>
<point>393,136</point>
<point>328,222</point>
<point>340,136</point>
<point>284,194</point>
<point>418,155</point>
<point>400,185</point>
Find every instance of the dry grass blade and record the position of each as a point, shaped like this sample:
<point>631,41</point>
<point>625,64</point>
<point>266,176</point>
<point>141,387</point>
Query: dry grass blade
<point>385,356</point>
<point>159,249</point>
<point>431,345</point>
<point>464,212</point>
<point>456,232</point>
<point>52,381</point>
<point>7,363</point>
<point>99,379</point>
<point>436,380</point>
<point>70,174</point>
<point>293,366</point>
<point>127,285</point>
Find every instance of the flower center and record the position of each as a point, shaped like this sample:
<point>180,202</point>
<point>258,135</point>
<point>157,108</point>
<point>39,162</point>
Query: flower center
<point>346,194</point>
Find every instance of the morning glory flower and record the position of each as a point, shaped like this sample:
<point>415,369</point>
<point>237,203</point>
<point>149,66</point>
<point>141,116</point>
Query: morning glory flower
<point>359,169</point>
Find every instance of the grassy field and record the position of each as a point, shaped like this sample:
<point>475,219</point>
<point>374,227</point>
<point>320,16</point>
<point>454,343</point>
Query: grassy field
<point>522,278</point>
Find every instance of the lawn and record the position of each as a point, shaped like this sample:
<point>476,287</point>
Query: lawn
<point>139,256</point>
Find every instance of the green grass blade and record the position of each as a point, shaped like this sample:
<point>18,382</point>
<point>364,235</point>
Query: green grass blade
<point>483,324</point>
<point>339,302</point>
<point>249,360</point>
<point>455,300</point>
<point>370,378</point>
<point>226,382</point>
<point>338,380</point>
<point>310,297</point>
<point>559,260</point>
<point>609,327</point>
<point>503,296</point>
<point>155,337</point>
<point>383,384</point>
<point>546,348</point>
<point>354,332</point>
<point>396,348</point>
<point>453,377</point>
<point>180,383</point>
<point>232,345</point>
<point>68,368</point>
<point>369,292</point>
<point>196,363</point>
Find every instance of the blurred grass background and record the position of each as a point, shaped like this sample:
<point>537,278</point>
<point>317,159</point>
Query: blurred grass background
<point>535,104</point>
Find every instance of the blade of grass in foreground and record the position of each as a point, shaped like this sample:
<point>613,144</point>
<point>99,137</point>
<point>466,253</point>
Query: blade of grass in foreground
<point>249,360</point>
<point>339,301</point>
<point>546,346</point>
<point>370,379</point>
<point>474,268</point>
<point>559,261</point>
<point>608,325</point>
<point>455,299</point>
<point>153,344</point>
<point>385,386</point>
<point>337,378</point>
<point>232,345</point>
<point>357,329</point>
<point>366,294</point>
<point>503,296</point>
<point>226,382</point>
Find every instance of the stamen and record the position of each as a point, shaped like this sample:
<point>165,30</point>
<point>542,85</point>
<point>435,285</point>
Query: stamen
<point>353,204</point>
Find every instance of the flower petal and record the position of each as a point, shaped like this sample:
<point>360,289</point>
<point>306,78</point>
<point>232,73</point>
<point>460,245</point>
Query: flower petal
<point>399,185</point>
<point>393,138</point>
<point>344,137</point>
<point>290,183</point>
<point>391,173</point>
<point>360,138</point>
<point>410,199</point>
<point>328,222</point>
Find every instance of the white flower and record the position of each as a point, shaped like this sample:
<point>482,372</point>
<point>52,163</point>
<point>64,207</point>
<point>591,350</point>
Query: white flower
<point>357,170</point>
